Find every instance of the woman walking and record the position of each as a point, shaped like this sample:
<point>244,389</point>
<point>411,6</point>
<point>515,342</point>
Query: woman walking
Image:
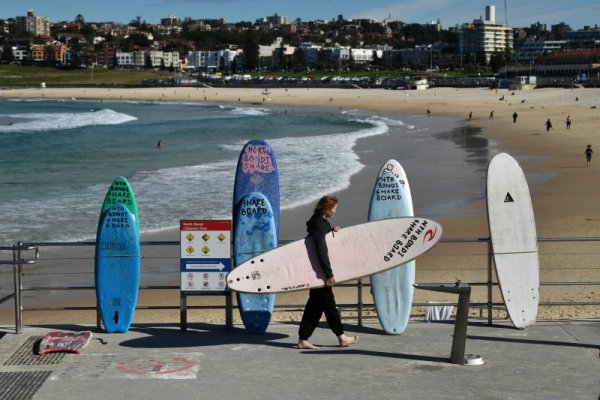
<point>322,300</point>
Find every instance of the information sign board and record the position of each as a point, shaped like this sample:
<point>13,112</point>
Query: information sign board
<point>205,256</point>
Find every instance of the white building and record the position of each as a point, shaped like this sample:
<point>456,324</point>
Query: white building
<point>267,53</point>
<point>156,59</point>
<point>484,36</point>
<point>124,59</point>
<point>171,59</point>
<point>212,60</point>
<point>360,56</point>
<point>20,53</point>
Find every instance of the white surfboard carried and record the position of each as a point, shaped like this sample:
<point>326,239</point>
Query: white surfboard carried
<point>354,252</point>
<point>514,239</point>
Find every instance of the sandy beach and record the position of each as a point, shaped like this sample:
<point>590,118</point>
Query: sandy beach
<point>565,201</point>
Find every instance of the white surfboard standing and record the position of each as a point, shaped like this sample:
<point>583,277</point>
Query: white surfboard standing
<point>354,252</point>
<point>393,289</point>
<point>514,239</point>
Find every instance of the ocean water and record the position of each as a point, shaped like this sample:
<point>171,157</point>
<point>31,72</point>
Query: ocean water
<point>59,157</point>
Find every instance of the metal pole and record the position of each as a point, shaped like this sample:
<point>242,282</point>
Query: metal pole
<point>489,283</point>
<point>360,303</point>
<point>457,355</point>
<point>98,319</point>
<point>182,312</point>
<point>17,282</point>
<point>228,310</point>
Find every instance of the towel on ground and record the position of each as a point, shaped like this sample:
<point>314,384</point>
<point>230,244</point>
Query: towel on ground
<point>437,312</point>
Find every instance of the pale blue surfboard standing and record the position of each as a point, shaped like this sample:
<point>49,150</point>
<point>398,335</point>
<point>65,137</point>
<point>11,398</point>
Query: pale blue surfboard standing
<point>256,172</point>
<point>117,269</point>
<point>392,290</point>
<point>255,233</point>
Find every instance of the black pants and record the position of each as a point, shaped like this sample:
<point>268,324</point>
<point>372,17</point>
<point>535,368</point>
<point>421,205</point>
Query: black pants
<point>320,300</point>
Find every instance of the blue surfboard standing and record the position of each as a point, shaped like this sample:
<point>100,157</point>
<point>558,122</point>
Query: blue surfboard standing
<point>255,223</point>
<point>117,270</point>
<point>392,290</point>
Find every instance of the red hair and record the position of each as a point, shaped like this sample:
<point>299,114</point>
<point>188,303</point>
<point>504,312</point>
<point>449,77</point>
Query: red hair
<point>325,204</point>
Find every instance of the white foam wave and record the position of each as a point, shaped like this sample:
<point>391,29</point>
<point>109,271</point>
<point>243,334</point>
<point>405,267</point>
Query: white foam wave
<point>387,120</point>
<point>202,191</point>
<point>26,100</point>
<point>35,122</point>
<point>246,111</point>
<point>205,191</point>
<point>302,162</point>
<point>199,191</point>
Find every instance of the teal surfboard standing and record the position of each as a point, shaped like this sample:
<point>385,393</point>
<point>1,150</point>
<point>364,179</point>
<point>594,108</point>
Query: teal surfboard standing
<point>255,223</point>
<point>392,290</point>
<point>117,266</point>
<point>120,192</point>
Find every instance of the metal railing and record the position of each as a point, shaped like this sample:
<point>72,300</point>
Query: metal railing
<point>27,263</point>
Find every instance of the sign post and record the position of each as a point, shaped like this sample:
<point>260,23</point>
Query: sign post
<point>205,261</point>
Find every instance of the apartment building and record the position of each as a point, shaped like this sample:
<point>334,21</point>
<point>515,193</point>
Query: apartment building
<point>54,53</point>
<point>144,58</point>
<point>484,36</point>
<point>214,59</point>
<point>39,26</point>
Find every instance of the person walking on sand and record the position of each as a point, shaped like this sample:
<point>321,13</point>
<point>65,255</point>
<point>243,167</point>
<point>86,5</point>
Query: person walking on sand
<point>322,300</point>
<point>588,154</point>
<point>515,116</point>
<point>548,125</point>
<point>492,114</point>
<point>568,122</point>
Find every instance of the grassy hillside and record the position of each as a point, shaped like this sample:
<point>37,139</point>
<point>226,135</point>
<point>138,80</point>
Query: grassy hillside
<point>14,75</point>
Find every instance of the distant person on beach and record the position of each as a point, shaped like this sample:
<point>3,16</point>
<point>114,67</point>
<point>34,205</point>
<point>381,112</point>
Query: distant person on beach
<point>322,300</point>
<point>159,144</point>
<point>515,116</point>
<point>470,115</point>
<point>492,114</point>
<point>548,125</point>
<point>568,122</point>
<point>588,154</point>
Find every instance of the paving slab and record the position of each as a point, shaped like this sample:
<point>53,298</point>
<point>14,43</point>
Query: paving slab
<point>550,360</point>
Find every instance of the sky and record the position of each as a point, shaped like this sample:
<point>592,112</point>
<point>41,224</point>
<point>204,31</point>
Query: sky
<point>521,13</point>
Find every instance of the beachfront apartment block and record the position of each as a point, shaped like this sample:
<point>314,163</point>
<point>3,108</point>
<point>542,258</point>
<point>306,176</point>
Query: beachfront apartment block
<point>214,60</point>
<point>152,58</point>
<point>484,36</point>
<point>359,56</point>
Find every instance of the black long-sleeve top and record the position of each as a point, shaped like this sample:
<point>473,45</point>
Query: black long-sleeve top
<point>317,227</point>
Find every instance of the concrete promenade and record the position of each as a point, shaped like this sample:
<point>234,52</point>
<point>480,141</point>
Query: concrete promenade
<point>551,360</point>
